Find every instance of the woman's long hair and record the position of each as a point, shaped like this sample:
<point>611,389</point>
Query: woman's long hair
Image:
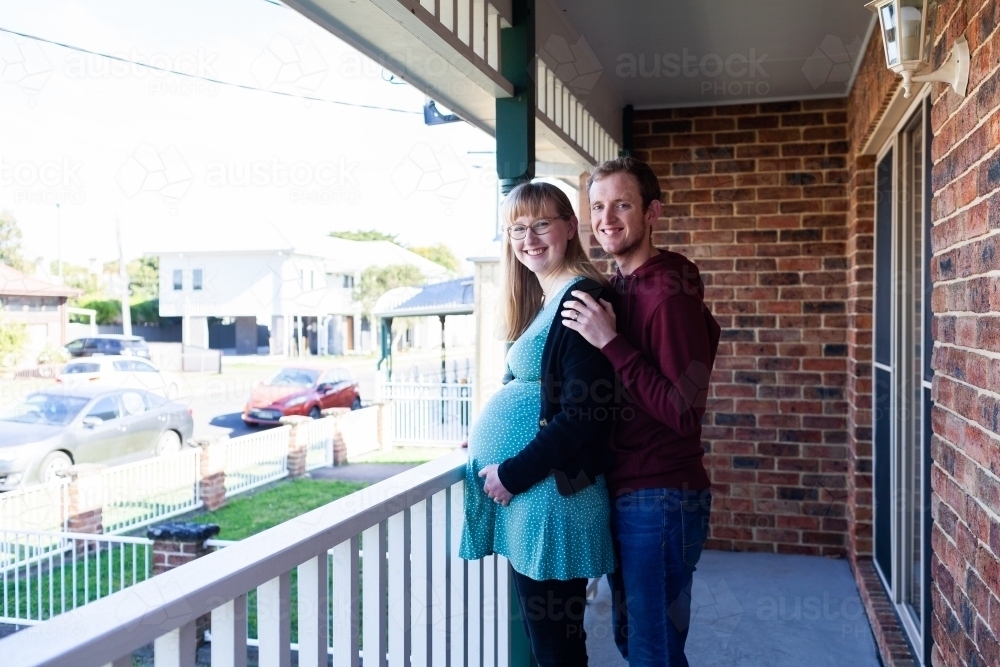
<point>522,294</point>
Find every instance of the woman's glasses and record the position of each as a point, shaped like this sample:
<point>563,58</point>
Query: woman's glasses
<point>538,228</point>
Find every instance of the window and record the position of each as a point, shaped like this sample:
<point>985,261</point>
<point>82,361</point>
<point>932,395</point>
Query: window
<point>30,304</point>
<point>178,280</point>
<point>902,375</point>
<point>106,409</point>
<point>196,280</point>
<point>133,402</point>
<point>72,369</point>
<point>348,282</point>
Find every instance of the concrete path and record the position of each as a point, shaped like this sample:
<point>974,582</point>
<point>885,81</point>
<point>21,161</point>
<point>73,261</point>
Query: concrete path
<point>761,610</point>
<point>362,472</point>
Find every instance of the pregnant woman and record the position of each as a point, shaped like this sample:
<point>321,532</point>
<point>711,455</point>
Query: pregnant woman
<point>534,490</point>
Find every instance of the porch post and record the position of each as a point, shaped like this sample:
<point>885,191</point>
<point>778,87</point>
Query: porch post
<point>516,115</point>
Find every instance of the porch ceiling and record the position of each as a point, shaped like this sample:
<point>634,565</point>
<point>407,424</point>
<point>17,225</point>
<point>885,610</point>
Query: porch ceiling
<point>803,48</point>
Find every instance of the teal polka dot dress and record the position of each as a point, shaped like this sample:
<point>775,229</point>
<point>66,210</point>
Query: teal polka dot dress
<point>544,535</point>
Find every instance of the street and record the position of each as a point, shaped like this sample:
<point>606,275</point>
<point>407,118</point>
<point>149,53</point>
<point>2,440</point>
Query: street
<point>217,400</point>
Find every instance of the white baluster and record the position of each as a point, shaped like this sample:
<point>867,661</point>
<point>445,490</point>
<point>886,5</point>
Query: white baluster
<point>474,611</point>
<point>345,604</point>
<point>420,581</point>
<point>312,589</point>
<point>229,633</point>
<point>176,648</point>
<point>503,611</point>
<point>374,585</point>
<point>274,630</point>
<point>489,611</point>
<point>439,578</point>
<point>457,622</point>
<point>399,588</point>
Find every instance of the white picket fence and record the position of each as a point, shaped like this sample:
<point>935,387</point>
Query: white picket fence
<point>42,507</point>
<point>359,429</point>
<point>256,459</point>
<point>141,493</point>
<point>44,574</point>
<point>379,567</point>
<point>319,434</point>
<point>429,413</point>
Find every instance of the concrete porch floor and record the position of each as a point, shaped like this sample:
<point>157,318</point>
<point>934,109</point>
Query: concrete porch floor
<point>760,610</point>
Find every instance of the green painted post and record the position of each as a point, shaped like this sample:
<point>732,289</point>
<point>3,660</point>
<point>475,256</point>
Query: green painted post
<point>516,115</point>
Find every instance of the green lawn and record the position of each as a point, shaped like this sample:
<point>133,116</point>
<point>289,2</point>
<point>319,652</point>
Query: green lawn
<point>49,588</point>
<point>248,515</point>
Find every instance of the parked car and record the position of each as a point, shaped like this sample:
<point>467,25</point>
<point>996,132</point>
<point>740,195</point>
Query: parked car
<point>53,429</point>
<point>301,391</point>
<point>121,371</point>
<point>109,344</point>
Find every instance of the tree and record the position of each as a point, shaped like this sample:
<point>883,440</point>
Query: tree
<point>13,338</point>
<point>377,280</point>
<point>439,254</point>
<point>144,277</point>
<point>10,242</point>
<point>364,235</point>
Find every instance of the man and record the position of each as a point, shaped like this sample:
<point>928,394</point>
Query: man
<point>661,340</point>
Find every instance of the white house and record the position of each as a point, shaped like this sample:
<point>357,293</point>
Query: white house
<point>301,289</point>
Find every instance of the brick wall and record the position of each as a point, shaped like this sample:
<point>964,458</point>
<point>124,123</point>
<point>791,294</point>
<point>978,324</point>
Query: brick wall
<point>757,196</point>
<point>965,565</point>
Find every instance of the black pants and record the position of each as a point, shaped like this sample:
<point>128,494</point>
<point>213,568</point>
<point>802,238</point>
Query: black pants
<point>552,613</point>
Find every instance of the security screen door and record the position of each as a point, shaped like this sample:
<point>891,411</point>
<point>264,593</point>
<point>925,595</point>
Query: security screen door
<point>902,375</point>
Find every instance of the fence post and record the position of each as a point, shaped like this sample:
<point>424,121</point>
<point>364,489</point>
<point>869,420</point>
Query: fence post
<point>386,425</point>
<point>175,544</point>
<point>339,444</point>
<point>297,445</point>
<point>86,498</point>
<point>212,471</point>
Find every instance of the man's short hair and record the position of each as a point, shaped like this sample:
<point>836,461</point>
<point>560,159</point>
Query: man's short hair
<point>649,184</point>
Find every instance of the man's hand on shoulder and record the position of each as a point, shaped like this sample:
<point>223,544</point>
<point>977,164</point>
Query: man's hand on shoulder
<point>595,320</point>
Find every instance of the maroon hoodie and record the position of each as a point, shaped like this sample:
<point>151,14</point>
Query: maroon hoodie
<point>663,353</point>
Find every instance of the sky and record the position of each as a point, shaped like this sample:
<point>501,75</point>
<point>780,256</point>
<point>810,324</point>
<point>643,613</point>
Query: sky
<point>180,162</point>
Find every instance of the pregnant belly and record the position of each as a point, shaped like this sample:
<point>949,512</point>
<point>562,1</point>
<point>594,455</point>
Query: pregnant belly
<point>507,423</point>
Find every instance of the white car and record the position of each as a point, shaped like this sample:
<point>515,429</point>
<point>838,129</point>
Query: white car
<point>121,371</point>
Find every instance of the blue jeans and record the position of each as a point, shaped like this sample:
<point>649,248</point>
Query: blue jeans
<point>658,536</point>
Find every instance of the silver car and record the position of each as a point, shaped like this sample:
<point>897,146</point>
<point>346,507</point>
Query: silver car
<point>55,428</point>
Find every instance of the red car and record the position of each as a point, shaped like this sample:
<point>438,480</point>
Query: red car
<point>301,391</point>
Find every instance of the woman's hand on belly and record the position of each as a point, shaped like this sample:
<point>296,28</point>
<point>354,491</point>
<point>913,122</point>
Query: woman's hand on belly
<point>494,487</point>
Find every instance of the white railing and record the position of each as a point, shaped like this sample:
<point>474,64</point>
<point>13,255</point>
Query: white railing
<point>429,413</point>
<point>42,507</point>
<point>567,115</point>
<point>476,24</point>
<point>138,494</point>
<point>44,574</point>
<point>256,459</point>
<point>422,604</point>
<point>359,429</point>
<point>319,438</point>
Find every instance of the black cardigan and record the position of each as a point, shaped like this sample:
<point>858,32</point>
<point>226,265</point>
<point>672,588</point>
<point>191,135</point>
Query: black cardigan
<point>577,414</point>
